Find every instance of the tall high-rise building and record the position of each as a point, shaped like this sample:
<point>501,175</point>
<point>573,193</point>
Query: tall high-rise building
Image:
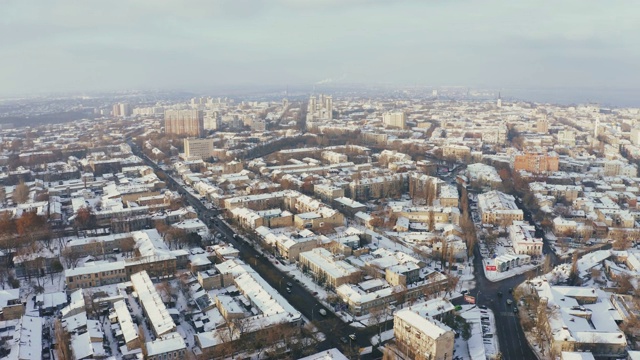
<point>212,121</point>
<point>542,125</point>
<point>184,122</point>
<point>635,136</point>
<point>499,102</point>
<point>396,119</point>
<point>320,108</point>
<point>121,110</point>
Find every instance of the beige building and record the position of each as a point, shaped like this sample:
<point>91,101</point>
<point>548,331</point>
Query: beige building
<point>458,152</point>
<point>523,239</point>
<point>201,148</point>
<point>184,122</point>
<point>328,269</point>
<point>377,187</point>
<point>10,304</point>
<point>498,208</point>
<point>328,192</point>
<point>395,119</point>
<point>419,338</point>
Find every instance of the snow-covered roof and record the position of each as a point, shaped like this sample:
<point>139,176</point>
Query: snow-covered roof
<point>128,328</point>
<point>429,327</point>
<point>27,339</point>
<point>165,344</point>
<point>161,321</point>
<point>331,354</point>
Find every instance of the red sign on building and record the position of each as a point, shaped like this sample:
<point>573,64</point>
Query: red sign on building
<point>491,268</point>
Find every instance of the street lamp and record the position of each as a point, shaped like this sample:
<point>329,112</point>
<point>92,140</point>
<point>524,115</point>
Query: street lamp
<point>280,282</point>
<point>312,310</point>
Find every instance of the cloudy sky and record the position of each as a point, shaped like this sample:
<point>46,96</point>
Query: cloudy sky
<point>86,45</point>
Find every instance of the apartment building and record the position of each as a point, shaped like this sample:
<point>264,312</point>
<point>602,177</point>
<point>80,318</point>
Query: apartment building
<point>579,319</point>
<point>422,338</point>
<point>482,174</point>
<point>289,246</point>
<point>395,119</point>
<point>198,148</point>
<point>11,306</point>
<point>184,122</point>
<point>458,152</point>
<point>522,236</point>
<point>536,163</point>
<point>498,208</point>
<point>377,187</point>
<point>151,255</point>
<point>327,268</point>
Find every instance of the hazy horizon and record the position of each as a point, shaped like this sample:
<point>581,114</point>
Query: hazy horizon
<point>584,47</point>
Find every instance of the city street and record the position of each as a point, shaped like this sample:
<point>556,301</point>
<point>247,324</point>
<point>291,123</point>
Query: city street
<point>300,298</point>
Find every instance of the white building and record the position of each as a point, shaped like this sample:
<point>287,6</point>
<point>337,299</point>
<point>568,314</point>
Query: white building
<point>419,337</point>
<point>396,119</point>
<point>498,208</point>
<point>523,239</point>
<point>198,148</point>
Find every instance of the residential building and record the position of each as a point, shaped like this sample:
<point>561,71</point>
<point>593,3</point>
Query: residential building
<point>498,208</point>
<point>422,338</point>
<point>328,269</point>
<point>579,319</point>
<point>184,122</point>
<point>542,125</point>
<point>523,239</point>
<point>458,152</point>
<point>395,119</point>
<point>198,148</point>
<point>11,306</point>
<point>536,163</point>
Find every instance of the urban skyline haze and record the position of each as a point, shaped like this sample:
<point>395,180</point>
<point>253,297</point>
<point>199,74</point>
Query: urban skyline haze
<point>97,45</point>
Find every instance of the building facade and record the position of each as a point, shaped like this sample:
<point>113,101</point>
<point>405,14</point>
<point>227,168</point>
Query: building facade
<point>184,122</point>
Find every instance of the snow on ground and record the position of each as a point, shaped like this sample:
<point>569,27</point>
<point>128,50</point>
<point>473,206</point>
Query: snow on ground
<point>498,276</point>
<point>481,345</point>
<point>385,336</point>
<point>366,350</point>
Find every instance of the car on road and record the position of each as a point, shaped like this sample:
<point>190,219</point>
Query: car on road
<point>352,337</point>
<point>509,301</point>
<point>510,290</point>
<point>289,290</point>
<point>483,307</point>
<point>315,293</point>
<point>499,293</point>
<point>344,340</point>
<point>289,284</point>
<point>323,312</point>
<point>515,310</point>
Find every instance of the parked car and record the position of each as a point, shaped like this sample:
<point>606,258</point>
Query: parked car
<point>323,312</point>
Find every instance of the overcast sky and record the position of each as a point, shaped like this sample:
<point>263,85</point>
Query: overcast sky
<point>65,45</point>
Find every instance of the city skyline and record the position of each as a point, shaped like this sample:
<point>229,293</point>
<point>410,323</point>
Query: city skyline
<point>97,46</point>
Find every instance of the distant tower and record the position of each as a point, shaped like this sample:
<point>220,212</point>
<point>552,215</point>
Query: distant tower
<point>499,101</point>
<point>542,125</point>
<point>595,128</point>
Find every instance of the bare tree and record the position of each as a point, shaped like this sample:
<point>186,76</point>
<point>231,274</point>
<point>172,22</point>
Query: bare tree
<point>71,257</point>
<point>377,316</point>
<point>21,193</point>
<point>62,339</point>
